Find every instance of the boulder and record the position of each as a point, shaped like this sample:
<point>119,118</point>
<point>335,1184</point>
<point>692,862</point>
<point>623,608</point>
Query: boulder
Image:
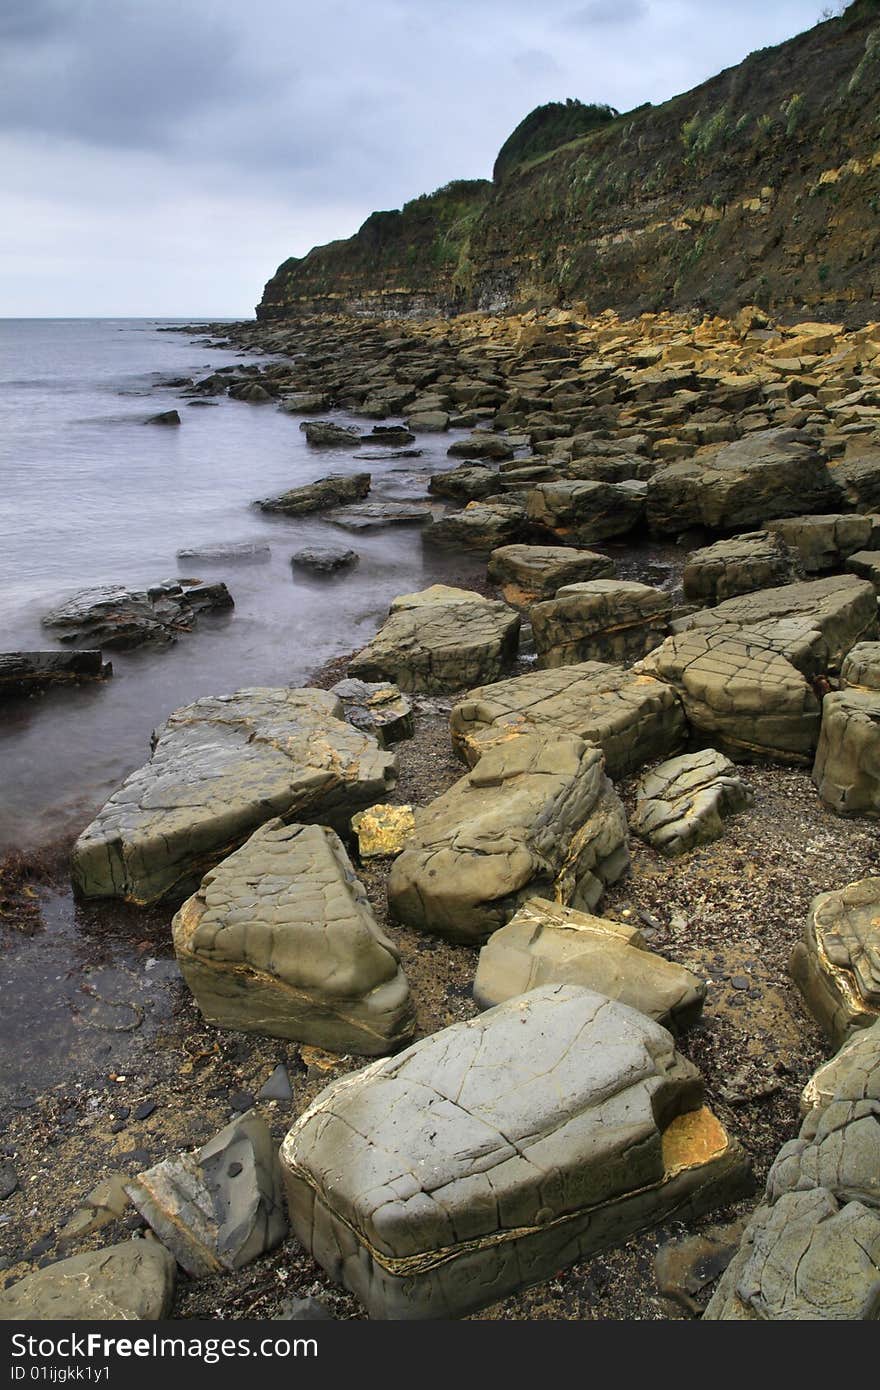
<point>529,573</point>
<point>582,512</point>
<point>281,940</point>
<point>304,402</point>
<point>165,417</point>
<point>633,718</point>
<point>220,768</point>
<point>536,816</point>
<point>613,620</point>
<point>546,944</point>
<point>847,767</point>
<point>861,667</point>
<point>428,421</point>
<point>464,484</point>
<point>113,616</point>
<point>858,478</point>
<point>767,473</point>
<point>481,445</point>
<point>684,802</point>
<point>836,965</point>
<point>436,595</point>
<point>855,1068</point>
<point>430,1190</point>
<point>866,565</point>
<point>439,647</point>
<point>376,708</point>
<point>325,559</point>
<point>757,560</point>
<point>825,542</point>
<point>132,1281</point>
<point>220,1207</point>
<point>332,491</point>
<point>23,672</point>
<point>481,526</point>
<point>324,434</point>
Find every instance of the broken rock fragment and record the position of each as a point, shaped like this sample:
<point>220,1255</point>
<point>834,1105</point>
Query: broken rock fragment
<point>685,801</point>
<point>130,1281</point>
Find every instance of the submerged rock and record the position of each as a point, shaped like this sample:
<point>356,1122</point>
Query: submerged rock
<point>228,553</point>
<point>429,1190</point>
<point>684,802</point>
<point>281,940</point>
<point>113,616</point>
<point>165,417</point>
<point>328,435</point>
<point>220,1207</point>
<point>332,491</point>
<point>837,964</point>
<point>325,559</point>
<point>131,1281</point>
<point>220,768</point>
<point>374,516</point>
<point>22,672</point>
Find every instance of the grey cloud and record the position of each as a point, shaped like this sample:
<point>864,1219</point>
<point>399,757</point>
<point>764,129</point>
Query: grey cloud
<point>611,13</point>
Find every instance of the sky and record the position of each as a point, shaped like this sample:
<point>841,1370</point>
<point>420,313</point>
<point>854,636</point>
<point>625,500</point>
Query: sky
<point>162,157</point>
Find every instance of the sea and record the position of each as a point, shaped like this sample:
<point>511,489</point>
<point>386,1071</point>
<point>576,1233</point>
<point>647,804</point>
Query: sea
<point>92,495</point>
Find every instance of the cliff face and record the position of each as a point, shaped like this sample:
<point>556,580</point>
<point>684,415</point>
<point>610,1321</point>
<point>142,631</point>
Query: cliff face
<point>760,186</point>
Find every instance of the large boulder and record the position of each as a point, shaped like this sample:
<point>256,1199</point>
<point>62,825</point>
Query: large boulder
<point>129,1282</point>
<point>768,473</point>
<point>757,560</point>
<point>480,526</point>
<point>547,944</point>
<point>580,512</point>
<point>613,620</point>
<point>220,1207</point>
<point>836,965</point>
<point>280,939</point>
<point>847,767</point>
<point>333,491</point>
<point>439,646</point>
<point>23,672</point>
<point>537,815</point>
<point>491,1154</point>
<point>528,573</point>
<point>481,445</point>
<point>633,718</point>
<point>220,768</point>
<point>113,616</point>
<point>825,542</point>
<point>684,802</point>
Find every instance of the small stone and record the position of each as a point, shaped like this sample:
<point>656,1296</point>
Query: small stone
<point>278,1086</point>
<point>144,1110</point>
<point>241,1101</point>
<point>740,982</point>
<point>304,1310</point>
<point>8,1180</point>
<point>383,830</point>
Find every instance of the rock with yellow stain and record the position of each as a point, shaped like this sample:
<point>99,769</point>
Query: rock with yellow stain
<point>383,830</point>
<point>837,964</point>
<point>430,1190</point>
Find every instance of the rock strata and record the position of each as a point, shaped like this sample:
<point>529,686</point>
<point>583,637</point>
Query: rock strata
<point>757,560</point>
<point>529,573</point>
<point>610,620</point>
<point>23,672</point>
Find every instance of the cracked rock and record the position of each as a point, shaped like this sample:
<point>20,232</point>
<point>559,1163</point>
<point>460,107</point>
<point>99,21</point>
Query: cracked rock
<point>527,574</point>
<point>536,816</point>
<point>825,542</point>
<point>281,940</point>
<point>854,1071</point>
<point>495,1152</point>
<point>757,560</point>
<point>613,620</point>
<point>220,1207</point>
<point>546,944</point>
<point>220,768</point>
<point>837,964</point>
<point>131,1281</point>
<point>441,646</point>
<point>861,667</point>
<point>685,801</point>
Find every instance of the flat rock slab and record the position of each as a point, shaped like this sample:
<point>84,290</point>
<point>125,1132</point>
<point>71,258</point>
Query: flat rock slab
<point>220,768</point>
<point>113,616</point>
<point>547,944</point>
<point>740,692</point>
<point>536,816</point>
<point>866,565</point>
<point>613,620</point>
<point>632,717</point>
<point>442,594</point>
<point>332,491</point>
<point>757,560</point>
<point>23,672</point>
<point>326,434</point>
<point>836,965</point>
<point>436,647</point>
<point>861,667</point>
<point>684,802</point>
<point>580,512</point>
<point>373,516</point>
<point>480,526</point>
<point>494,1153</point>
<point>220,1207</point>
<point>847,767</point>
<point>376,707</point>
<point>131,1281</point>
<point>529,573</point>
<point>228,553</point>
<point>824,542</point>
<point>281,940</point>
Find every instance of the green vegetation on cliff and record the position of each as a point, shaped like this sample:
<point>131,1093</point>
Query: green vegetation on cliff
<point>545,129</point>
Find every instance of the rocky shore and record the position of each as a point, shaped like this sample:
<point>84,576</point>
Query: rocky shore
<point>644,820</point>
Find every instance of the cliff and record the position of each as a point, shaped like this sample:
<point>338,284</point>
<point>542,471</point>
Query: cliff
<point>760,186</point>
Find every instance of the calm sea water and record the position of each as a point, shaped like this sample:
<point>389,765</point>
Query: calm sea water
<point>89,495</point>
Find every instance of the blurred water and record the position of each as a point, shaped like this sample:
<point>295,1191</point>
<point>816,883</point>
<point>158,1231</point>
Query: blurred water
<point>90,495</point>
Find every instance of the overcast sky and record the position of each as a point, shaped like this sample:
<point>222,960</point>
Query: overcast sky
<point>162,157</point>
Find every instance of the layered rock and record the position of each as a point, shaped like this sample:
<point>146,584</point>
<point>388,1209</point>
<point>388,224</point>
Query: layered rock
<point>481,526</point>
<point>866,565</point>
<point>825,542</point>
<point>547,944</point>
<point>430,1191</point>
<point>23,672</point>
<point>280,939</point>
<point>220,768</point>
<point>536,816</point>
<point>847,767</point>
<point>610,620</point>
<point>684,802</point>
<point>437,647</point>
<point>757,560</point>
<point>333,491</point>
<point>128,1282</point>
<point>529,573</point>
<point>837,964</point>
<point>116,617</point>
<point>580,512</point>
<point>633,718</point>
<point>220,1207</point>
